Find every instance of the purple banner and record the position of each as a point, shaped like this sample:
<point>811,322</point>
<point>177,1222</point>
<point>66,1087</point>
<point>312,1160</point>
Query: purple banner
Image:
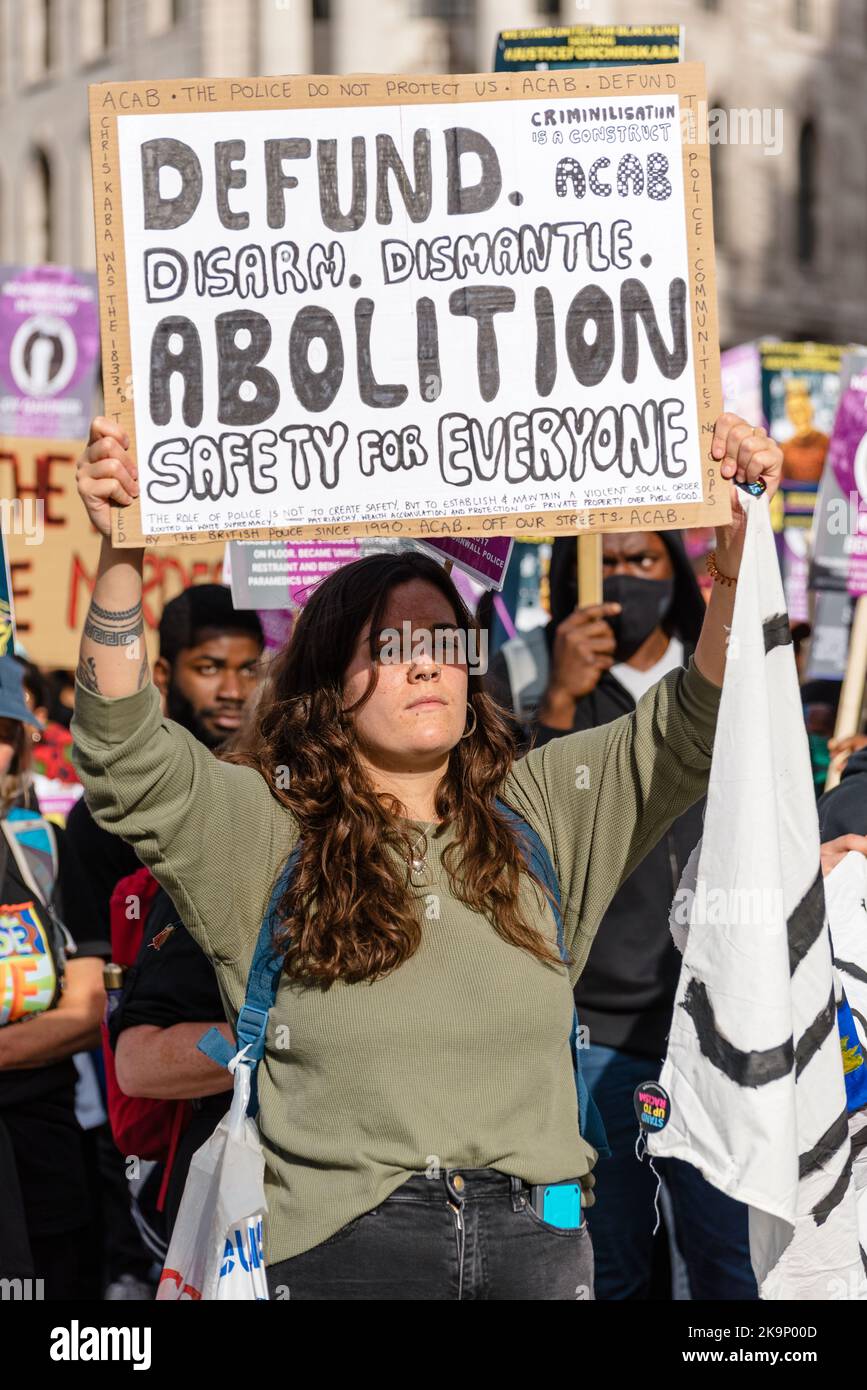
<point>840,549</point>
<point>847,454</point>
<point>484,559</point>
<point>49,351</point>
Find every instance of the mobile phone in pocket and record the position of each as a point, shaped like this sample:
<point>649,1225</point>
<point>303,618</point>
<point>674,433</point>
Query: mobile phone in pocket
<point>558,1204</point>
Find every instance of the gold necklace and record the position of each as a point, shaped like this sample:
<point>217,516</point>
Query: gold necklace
<point>418,863</point>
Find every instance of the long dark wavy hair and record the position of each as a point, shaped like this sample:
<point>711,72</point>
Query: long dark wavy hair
<point>348,912</point>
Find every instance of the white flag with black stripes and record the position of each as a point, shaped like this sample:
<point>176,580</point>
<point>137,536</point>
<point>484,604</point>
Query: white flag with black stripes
<point>754,1068</point>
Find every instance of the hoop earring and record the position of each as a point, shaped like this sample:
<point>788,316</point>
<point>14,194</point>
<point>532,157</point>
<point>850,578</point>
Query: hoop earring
<point>469,732</point>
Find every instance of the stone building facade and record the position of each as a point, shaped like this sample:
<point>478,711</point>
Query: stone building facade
<point>790,182</point>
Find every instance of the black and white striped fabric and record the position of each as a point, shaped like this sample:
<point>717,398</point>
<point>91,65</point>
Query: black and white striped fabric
<point>754,1069</point>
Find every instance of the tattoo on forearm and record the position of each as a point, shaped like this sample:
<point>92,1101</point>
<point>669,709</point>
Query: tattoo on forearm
<point>86,674</point>
<point>143,672</point>
<point>109,617</point>
<point>114,629</point>
<point>113,636</point>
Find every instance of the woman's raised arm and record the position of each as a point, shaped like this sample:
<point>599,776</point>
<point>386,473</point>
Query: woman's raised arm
<point>212,834</point>
<point>113,657</point>
<point>745,454</point>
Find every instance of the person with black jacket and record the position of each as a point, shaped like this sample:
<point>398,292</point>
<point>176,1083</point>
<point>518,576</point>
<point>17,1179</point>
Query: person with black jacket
<point>51,999</point>
<point>584,668</point>
<point>843,811</point>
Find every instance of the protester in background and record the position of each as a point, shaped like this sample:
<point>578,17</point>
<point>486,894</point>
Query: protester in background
<point>61,696</point>
<point>54,777</point>
<point>594,665</point>
<point>565,662</point>
<point>209,662</point>
<point>51,1000</point>
<point>204,684</point>
<point>207,671</point>
<point>422,988</point>
<point>843,811</point>
<point>36,694</point>
<point>820,700</point>
<point>840,750</point>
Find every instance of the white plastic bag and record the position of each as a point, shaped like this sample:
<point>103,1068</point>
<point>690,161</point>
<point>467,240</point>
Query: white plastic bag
<point>216,1247</point>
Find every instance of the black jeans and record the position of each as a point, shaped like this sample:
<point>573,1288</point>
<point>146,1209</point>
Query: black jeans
<point>467,1233</point>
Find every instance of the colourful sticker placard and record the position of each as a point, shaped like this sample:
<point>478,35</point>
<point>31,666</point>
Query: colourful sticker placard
<point>652,1106</point>
<point>588,46</point>
<point>49,351</point>
<point>839,560</point>
<point>28,979</point>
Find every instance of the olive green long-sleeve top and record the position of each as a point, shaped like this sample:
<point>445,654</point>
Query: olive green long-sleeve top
<point>458,1058</point>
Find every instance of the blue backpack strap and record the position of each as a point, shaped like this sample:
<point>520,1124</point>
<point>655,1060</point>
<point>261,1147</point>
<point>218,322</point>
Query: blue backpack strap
<point>215,1046</point>
<point>538,860</point>
<point>262,982</point>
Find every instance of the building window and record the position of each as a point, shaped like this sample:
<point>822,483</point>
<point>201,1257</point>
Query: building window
<point>94,29</point>
<point>163,15</point>
<point>321,10</point>
<point>550,9</point>
<point>445,9</point>
<point>710,4</point>
<point>37,46</point>
<point>37,221</point>
<point>806,218</point>
<point>802,15</point>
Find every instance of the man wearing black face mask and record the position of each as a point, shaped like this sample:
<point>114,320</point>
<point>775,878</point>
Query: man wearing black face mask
<point>585,668</point>
<point>631,635</point>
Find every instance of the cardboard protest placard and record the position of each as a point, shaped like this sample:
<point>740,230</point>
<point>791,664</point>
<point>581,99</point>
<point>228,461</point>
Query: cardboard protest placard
<point>800,389</point>
<point>421,306</point>
<point>588,46</point>
<point>54,551</point>
<point>49,351</point>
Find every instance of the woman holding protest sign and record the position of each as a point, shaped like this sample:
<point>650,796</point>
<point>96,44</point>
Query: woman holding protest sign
<point>418,1105</point>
